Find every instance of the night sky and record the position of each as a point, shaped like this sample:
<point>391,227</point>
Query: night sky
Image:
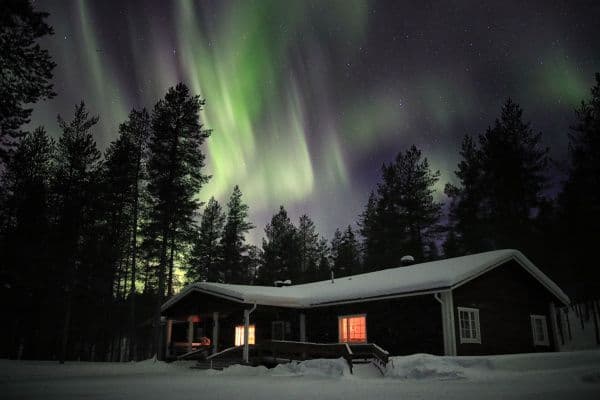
<point>306,100</point>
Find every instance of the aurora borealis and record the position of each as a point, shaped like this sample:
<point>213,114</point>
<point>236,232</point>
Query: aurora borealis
<point>307,99</point>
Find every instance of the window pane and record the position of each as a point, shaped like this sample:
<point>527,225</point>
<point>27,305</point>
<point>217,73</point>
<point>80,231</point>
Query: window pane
<point>353,329</point>
<point>239,335</point>
<point>539,329</point>
<point>468,323</point>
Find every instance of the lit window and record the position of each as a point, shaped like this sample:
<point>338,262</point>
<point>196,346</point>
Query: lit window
<point>353,328</point>
<point>539,330</point>
<point>239,335</point>
<point>468,323</point>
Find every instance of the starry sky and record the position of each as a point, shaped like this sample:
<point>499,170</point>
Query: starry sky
<point>307,99</point>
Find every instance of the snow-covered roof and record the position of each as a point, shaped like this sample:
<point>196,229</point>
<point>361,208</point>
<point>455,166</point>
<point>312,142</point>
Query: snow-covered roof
<point>433,276</point>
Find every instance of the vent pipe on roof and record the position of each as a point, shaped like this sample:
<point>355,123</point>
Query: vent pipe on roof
<point>332,275</point>
<point>407,260</point>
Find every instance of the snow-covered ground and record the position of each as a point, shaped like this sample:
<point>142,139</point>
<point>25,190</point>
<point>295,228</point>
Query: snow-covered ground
<point>573,376</point>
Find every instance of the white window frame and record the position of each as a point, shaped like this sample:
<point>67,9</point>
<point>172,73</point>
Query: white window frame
<point>340,317</point>
<point>534,332</point>
<point>475,313</point>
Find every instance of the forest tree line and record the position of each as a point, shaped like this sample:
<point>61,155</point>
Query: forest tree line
<point>92,242</point>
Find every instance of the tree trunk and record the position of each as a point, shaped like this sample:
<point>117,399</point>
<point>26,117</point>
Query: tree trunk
<point>66,327</point>
<point>170,281</point>
<point>132,324</point>
<point>161,294</point>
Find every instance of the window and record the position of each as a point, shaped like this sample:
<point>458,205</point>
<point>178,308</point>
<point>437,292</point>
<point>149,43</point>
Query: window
<point>239,335</point>
<point>353,328</point>
<point>468,325</point>
<point>539,330</point>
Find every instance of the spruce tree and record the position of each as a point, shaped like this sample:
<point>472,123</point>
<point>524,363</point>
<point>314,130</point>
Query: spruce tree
<point>175,176</point>
<point>233,241</point>
<point>281,250</point>
<point>403,218</point>
<point>369,231</point>
<point>25,241</point>
<point>451,246</point>
<point>345,253</point>
<point>466,211</point>
<point>206,257</point>
<point>26,68</point>
<point>324,267</point>
<point>579,201</point>
<point>502,180</point>
<point>308,242</point>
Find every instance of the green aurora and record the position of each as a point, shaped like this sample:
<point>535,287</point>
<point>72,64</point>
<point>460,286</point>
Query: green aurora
<point>306,99</point>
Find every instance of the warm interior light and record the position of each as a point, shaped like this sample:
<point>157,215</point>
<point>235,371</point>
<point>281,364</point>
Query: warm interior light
<point>239,335</point>
<point>353,329</point>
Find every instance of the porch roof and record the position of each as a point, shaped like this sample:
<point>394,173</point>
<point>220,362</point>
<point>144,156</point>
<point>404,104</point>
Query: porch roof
<point>411,280</point>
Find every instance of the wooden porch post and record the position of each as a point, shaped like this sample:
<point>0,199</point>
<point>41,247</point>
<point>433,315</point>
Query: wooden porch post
<point>302,327</point>
<point>215,332</point>
<point>190,334</point>
<point>247,313</point>
<point>554,325</point>
<point>447,305</point>
<point>169,335</point>
<point>246,335</point>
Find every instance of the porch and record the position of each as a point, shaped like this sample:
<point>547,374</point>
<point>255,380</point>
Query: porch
<point>272,352</point>
<point>218,332</point>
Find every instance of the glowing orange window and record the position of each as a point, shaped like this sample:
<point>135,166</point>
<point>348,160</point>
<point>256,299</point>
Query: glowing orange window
<point>239,335</point>
<point>353,328</point>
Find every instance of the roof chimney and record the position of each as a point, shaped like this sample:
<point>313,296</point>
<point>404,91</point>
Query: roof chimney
<point>407,260</point>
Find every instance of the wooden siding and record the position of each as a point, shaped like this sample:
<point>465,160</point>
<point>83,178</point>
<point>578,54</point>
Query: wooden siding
<point>505,297</point>
<point>401,326</point>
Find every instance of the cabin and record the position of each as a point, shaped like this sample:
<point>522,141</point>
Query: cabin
<point>496,302</point>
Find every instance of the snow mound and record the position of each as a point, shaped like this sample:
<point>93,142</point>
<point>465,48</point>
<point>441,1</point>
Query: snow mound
<point>326,368</point>
<point>427,366</point>
<point>329,368</point>
<point>242,370</point>
<point>547,361</point>
<point>594,377</point>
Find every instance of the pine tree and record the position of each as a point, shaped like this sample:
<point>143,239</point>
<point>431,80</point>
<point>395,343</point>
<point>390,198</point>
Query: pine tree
<point>501,185</point>
<point>138,128</point>
<point>175,177</point>
<point>124,173</point>
<point>75,183</point>
<point>280,250</point>
<point>233,241</point>
<point>26,68</point>
<point>579,201</point>
<point>206,257</point>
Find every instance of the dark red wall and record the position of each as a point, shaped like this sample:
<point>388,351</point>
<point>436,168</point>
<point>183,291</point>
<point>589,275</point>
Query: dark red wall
<point>401,326</point>
<point>505,297</point>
